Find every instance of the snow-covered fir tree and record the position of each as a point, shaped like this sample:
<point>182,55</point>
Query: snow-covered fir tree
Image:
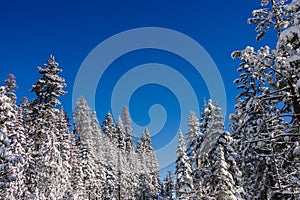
<point>198,169</point>
<point>149,176</point>
<point>18,142</point>
<point>266,121</point>
<point>65,140</point>
<point>41,159</point>
<point>6,117</point>
<point>108,127</point>
<point>122,181</point>
<point>89,187</point>
<point>224,179</point>
<point>169,185</point>
<point>10,87</point>
<point>129,136</point>
<point>184,181</point>
<point>48,178</point>
<point>194,138</point>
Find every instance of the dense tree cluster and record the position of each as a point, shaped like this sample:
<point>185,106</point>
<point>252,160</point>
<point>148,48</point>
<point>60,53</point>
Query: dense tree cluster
<point>260,158</point>
<point>206,165</point>
<point>41,157</point>
<point>265,125</point>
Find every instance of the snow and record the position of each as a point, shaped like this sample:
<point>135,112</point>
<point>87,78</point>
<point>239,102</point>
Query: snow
<point>296,151</point>
<point>298,87</point>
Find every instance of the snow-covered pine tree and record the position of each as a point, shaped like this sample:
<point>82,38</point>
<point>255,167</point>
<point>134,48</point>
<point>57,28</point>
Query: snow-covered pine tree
<point>129,136</point>
<point>18,157</point>
<point>193,137</point>
<point>224,179</point>
<point>270,97</point>
<point>111,165</point>
<point>120,134</point>
<point>108,127</point>
<point>131,156</point>
<point>50,87</point>
<point>149,176</point>
<point>89,187</point>
<point>4,163</point>
<point>10,87</point>
<point>122,182</point>
<point>75,172</point>
<point>204,121</point>
<point>65,140</point>
<point>46,171</point>
<point>97,144</point>
<point>169,186</point>
<point>206,115</point>
<point>17,136</point>
<point>133,169</point>
<point>184,181</point>
<point>7,115</point>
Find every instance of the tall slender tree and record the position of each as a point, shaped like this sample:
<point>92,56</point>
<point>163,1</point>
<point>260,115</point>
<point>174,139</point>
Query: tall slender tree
<point>184,181</point>
<point>108,127</point>
<point>224,181</point>
<point>6,116</point>
<point>47,161</point>
<point>169,186</point>
<point>87,159</point>
<point>129,136</point>
<point>193,136</point>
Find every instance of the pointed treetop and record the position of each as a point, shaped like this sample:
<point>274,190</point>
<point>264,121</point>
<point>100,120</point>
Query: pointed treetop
<point>50,86</point>
<point>119,123</point>
<point>11,85</point>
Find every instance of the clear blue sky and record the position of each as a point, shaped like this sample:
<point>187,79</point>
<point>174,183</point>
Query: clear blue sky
<point>32,30</point>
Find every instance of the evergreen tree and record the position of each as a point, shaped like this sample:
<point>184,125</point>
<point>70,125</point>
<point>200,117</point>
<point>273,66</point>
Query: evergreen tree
<point>11,85</point>
<point>129,137</point>
<point>169,186</point>
<point>18,157</point>
<point>184,181</point>
<point>6,116</point>
<point>108,127</point>
<point>120,135</point>
<point>17,137</point>
<point>75,172</point>
<point>223,158</point>
<point>65,141</point>
<point>266,121</point>
<point>149,176</point>
<point>194,139</point>
<point>89,186</point>
<point>198,170</point>
<point>48,178</point>
<point>5,176</point>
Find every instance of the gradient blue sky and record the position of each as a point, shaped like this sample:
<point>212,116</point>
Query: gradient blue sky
<point>32,30</point>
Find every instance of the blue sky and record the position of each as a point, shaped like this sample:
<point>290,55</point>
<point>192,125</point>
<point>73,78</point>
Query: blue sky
<point>32,30</point>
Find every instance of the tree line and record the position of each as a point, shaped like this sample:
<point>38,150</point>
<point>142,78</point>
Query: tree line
<point>260,158</point>
<point>41,157</point>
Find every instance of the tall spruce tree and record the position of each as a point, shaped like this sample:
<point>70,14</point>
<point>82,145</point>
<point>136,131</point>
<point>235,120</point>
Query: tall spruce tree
<point>129,136</point>
<point>169,185</point>
<point>89,186</point>
<point>46,171</point>
<point>224,178</point>
<point>6,117</point>
<point>184,181</point>
<point>17,136</point>
<point>194,137</point>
